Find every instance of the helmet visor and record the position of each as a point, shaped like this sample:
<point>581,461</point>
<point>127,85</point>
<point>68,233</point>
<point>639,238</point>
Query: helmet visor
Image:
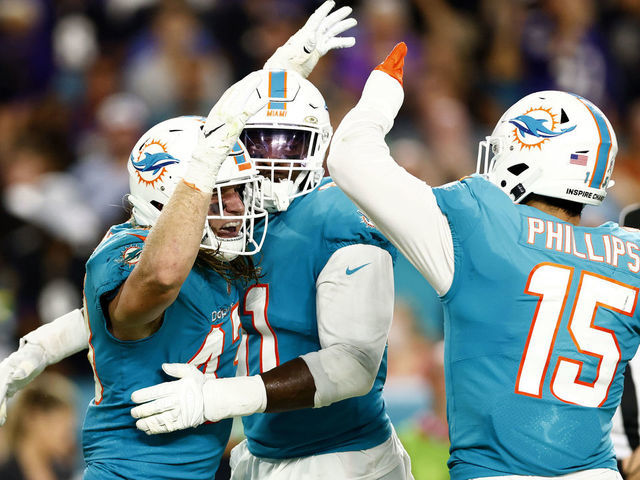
<point>283,144</point>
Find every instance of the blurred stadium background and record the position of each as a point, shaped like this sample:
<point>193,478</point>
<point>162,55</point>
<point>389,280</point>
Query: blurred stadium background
<point>80,80</point>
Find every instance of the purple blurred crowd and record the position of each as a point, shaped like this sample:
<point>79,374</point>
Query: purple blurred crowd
<point>81,80</point>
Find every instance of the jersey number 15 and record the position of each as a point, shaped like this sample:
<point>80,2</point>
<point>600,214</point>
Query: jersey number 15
<point>551,282</point>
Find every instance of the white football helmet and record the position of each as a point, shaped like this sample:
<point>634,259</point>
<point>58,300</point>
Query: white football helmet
<point>157,163</point>
<point>551,143</point>
<point>287,141</point>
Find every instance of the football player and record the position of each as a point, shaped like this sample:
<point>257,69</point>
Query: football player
<point>61,338</point>
<point>541,314</point>
<point>159,290</point>
<point>316,323</point>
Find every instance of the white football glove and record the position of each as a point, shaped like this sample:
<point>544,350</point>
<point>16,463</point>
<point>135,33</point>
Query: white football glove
<point>17,370</point>
<point>38,349</point>
<point>319,35</point>
<point>221,131</point>
<point>194,399</point>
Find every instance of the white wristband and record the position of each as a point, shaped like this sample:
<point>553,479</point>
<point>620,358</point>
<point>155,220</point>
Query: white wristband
<point>201,172</point>
<point>233,397</point>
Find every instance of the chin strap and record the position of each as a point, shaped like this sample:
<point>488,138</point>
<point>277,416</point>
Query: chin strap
<point>277,195</point>
<point>281,200</point>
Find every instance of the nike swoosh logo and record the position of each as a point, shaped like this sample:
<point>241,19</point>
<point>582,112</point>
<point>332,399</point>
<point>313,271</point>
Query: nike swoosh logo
<point>206,134</point>
<point>350,271</point>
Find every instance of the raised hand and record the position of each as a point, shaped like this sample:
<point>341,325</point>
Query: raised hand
<point>394,63</point>
<point>221,130</point>
<point>319,35</point>
<point>17,370</point>
<point>383,93</point>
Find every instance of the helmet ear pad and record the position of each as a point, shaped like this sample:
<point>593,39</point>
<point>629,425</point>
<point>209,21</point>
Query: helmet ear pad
<point>288,140</point>
<point>156,165</point>
<point>554,144</point>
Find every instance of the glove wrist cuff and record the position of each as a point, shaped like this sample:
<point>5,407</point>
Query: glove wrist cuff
<point>233,397</point>
<point>201,171</point>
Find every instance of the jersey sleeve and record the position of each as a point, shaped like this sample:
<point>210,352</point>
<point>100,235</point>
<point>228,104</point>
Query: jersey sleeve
<point>459,202</point>
<point>347,225</point>
<point>113,261</point>
<point>402,206</point>
<point>354,308</point>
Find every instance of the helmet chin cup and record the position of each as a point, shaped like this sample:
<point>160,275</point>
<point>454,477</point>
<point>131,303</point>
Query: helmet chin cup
<point>277,194</point>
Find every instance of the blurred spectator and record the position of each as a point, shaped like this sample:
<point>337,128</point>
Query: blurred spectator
<point>82,80</point>
<point>173,65</point>
<point>627,173</point>
<point>564,49</point>
<point>444,86</point>
<point>75,49</point>
<point>41,430</point>
<point>415,395</point>
<point>427,441</point>
<point>36,191</point>
<point>25,47</point>
<point>623,24</point>
<point>101,171</point>
<point>501,81</point>
<point>45,227</point>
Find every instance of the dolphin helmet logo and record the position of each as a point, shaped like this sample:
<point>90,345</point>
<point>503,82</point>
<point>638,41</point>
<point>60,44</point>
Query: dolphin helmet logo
<point>536,127</point>
<point>150,165</point>
<point>153,162</point>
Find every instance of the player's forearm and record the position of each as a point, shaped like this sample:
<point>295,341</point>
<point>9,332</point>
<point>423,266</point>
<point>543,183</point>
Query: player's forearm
<point>342,371</point>
<point>401,206</point>
<point>173,243</point>
<point>167,258</point>
<point>289,386</point>
<point>347,371</point>
<point>60,338</point>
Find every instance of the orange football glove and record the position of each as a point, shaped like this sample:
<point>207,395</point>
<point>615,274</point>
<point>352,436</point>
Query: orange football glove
<point>394,63</point>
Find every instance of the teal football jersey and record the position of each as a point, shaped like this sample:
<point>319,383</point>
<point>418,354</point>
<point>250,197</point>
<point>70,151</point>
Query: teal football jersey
<point>540,322</point>
<point>279,316</point>
<point>201,327</point>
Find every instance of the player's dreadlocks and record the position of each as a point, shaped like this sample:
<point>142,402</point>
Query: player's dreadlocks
<point>240,268</point>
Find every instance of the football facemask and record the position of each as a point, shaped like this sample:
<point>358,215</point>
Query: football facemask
<point>287,141</point>
<point>157,163</point>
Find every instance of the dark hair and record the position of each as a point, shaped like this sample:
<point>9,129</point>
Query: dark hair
<point>573,209</point>
<point>240,269</point>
